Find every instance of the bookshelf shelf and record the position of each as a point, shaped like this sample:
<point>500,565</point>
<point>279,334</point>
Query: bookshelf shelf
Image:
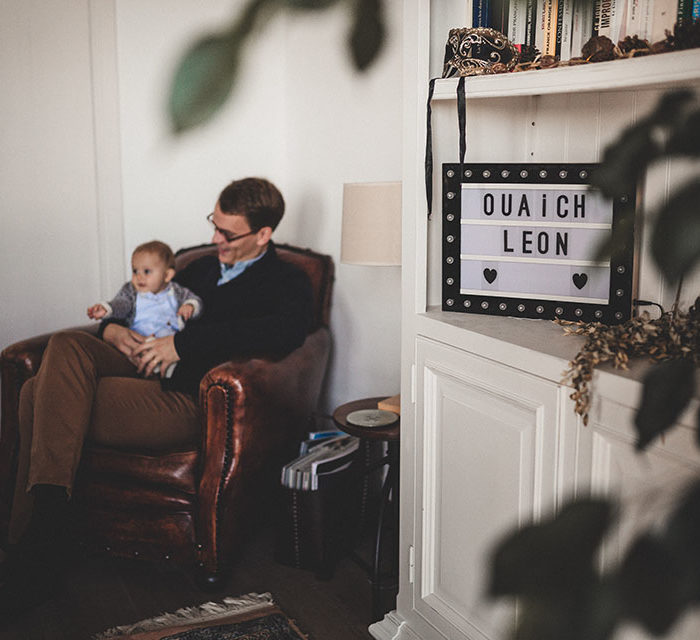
<point>649,72</point>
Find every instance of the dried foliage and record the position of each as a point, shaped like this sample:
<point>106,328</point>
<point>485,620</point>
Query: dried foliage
<point>599,49</point>
<point>602,49</point>
<point>686,35</point>
<point>674,335</point>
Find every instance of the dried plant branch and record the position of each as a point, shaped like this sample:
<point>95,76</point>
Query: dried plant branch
<point>675,334</point>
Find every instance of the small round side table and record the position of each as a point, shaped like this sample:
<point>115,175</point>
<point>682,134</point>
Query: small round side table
<point>390,492</point>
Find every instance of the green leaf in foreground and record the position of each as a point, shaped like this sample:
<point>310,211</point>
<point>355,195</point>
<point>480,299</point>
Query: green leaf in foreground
<point>203,81</point>
<point>553,557</point>
<point>367,34</point>
<point>675,243</point>
<point>668,387</point>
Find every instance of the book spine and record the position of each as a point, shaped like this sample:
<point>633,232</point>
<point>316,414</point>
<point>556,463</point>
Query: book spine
<point>566,8</point>
<point>531,21</point>
<point>560,26</point>
<point>480,13</point>
<point>609,18</point>
<point>684,14</point>
<point>663,18</point>
<point>539,25</point>
<point>695,13</point>
<point>498,16</point>
<point>596,18</point>
<point>516,22</point>
<point>581,28</point>
<point>549,39</point>
<point>639,15</point>
<point>623,30</point>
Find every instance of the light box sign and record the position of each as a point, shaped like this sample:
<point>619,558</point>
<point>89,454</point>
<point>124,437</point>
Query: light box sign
<point>522,240</point>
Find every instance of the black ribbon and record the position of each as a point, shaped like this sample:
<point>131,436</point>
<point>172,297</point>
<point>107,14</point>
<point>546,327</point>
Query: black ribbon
<point>462,118</point>
<point>429,150</point>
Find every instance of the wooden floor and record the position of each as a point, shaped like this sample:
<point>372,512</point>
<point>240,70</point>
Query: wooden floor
<point>101,592</point>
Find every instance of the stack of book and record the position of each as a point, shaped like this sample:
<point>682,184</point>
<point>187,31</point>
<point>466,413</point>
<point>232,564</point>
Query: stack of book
<point>560,28</point>
<point>323,454</point>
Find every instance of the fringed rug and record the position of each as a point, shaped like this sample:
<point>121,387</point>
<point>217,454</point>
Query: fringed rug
<point>254,616</point>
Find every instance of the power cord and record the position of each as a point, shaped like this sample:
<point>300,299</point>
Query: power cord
<point>648,303</point>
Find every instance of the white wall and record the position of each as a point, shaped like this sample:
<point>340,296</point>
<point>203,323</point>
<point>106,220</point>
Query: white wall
<point>48,228</point>
<point>345,127</point>
<point>299,116</point>
<point>171,184</point>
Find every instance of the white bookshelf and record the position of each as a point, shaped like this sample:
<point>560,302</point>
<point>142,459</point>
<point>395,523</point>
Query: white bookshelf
<point>647,72</point>
<point>489,436</point>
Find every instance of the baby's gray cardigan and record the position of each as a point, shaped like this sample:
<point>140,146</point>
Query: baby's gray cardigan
<point>123,305</point>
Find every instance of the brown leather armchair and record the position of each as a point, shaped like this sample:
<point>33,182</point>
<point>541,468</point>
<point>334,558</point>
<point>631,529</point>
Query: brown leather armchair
<point>191,506</point>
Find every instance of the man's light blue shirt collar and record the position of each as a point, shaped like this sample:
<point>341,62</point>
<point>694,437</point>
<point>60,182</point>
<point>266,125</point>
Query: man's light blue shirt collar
<point>231,271</point>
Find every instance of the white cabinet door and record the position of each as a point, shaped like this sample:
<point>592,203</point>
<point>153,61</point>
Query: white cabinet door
<point>646,485</point>
<point>484,463</point>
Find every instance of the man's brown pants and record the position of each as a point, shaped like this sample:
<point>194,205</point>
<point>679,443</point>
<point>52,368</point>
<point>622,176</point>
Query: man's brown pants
<point>86,389</point>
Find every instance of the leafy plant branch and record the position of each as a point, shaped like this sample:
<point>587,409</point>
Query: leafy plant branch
<point>208,71</point>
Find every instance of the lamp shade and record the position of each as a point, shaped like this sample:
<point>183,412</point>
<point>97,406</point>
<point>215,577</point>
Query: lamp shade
<point>371,232</point>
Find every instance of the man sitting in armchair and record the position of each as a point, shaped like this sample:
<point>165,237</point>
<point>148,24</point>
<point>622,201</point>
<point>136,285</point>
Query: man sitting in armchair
<point>254,303</point>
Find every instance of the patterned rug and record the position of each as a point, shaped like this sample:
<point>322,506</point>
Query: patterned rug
<point>254,616</point>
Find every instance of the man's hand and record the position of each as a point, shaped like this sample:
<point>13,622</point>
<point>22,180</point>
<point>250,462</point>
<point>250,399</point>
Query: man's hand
<point>96,311</point>
<point>156,352</point>
<point>123,339</point>
<point>186,311</point>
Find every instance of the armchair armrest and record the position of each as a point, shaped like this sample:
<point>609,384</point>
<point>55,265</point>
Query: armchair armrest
<point>254,412</point>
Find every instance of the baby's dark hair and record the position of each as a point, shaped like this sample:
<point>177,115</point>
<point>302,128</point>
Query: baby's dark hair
<point>162,250</point>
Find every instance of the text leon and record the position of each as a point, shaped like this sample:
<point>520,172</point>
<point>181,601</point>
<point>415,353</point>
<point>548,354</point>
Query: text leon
<point>529,242</point>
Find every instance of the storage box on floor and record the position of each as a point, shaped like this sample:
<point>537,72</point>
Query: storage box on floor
<point>317,527</point>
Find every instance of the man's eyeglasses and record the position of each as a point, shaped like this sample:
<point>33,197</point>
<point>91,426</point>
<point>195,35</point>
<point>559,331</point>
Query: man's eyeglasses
<point>228,235</point>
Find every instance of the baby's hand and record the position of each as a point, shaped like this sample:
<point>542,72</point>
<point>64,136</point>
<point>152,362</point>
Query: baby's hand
<point>96,311</point>
<point>186,311</point>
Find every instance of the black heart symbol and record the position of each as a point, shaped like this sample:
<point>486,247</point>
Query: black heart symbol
<point>490,275</point>
<point>580,280</point>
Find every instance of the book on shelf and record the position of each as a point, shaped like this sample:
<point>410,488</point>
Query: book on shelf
<point>546,34</point>
<point>581,25</point>
<point>564,27</point>
<point>609,16</point>
<point>685,11</point>
<point>664,16</point>
<point>498,16</point>
<point>561,28</point>
<point>521,22</point>
<point>639,18</point>
<point>480,13</point>
<point>530,23</point>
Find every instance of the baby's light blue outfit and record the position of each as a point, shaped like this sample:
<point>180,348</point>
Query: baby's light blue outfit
<point>156,313</point>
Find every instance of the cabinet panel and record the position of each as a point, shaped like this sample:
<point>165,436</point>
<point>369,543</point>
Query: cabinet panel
<point>646,484</point>
<point>485,463</point>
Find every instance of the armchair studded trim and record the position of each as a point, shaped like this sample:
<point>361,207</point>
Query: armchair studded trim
<point>216,398</point>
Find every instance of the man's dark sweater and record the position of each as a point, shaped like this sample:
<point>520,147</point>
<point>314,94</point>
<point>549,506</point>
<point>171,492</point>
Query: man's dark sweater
<point>267,310</point>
